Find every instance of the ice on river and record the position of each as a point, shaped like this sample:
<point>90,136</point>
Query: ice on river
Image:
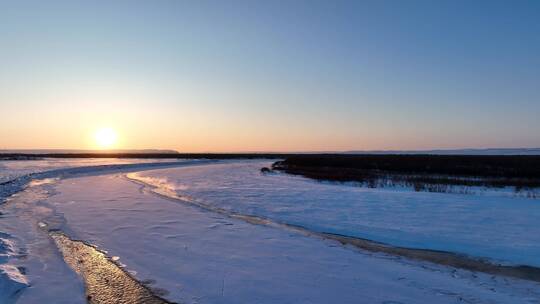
<point>193,255</point>
<point>11,169</point>
<point>492,225</point>
<point>198,256</point>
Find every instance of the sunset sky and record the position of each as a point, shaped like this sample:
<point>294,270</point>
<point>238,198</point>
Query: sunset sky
<point>223,76</point>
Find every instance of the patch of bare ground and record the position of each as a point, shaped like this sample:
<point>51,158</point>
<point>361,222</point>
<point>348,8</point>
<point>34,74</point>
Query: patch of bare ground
<point>105,281</point>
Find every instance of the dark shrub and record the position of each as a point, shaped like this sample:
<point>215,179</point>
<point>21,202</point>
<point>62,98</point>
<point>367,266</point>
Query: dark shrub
<point>265,170</point>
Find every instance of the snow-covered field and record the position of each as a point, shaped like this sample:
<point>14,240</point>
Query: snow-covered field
<point>493,225</point>
<point>200,256</point>
<point>12,169</point>
<point>16,174</point>
<point>18,231</point>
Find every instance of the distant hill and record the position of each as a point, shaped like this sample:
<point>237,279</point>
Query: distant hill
<point>489,151</point>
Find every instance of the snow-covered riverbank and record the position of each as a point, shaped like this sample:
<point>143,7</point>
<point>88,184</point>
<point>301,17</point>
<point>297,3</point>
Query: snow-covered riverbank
<point>492,225</point>
<point>21,237</point>
<point>192,255</point>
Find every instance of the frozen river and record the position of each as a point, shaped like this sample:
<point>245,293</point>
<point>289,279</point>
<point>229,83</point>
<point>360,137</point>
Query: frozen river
<point>150,221</point>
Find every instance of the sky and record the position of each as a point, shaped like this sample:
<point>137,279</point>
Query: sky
<point>229,76</point>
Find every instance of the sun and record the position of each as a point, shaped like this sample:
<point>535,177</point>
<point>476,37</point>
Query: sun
<point>105,137</point>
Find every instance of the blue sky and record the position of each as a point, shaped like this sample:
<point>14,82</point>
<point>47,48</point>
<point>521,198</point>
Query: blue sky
<point>270,75</point>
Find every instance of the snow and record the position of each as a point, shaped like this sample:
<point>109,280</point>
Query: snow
<point>15,175</point>
<point>48,275</point>
<point>11,169</point>
<point>11,278</point>
<point>11,283</point>
<point>199,256</point>
<point>203,257</point>
<point>47,278</point>
<point>493,225</point>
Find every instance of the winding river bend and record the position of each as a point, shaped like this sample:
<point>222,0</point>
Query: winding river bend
<point>122,232</point>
